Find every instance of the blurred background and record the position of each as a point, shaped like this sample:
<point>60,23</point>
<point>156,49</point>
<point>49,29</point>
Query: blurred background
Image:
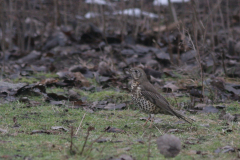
<point>208,28</point>
<point>27,24</point>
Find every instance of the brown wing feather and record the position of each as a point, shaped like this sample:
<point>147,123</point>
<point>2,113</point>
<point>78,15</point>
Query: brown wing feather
<point>161,102</point>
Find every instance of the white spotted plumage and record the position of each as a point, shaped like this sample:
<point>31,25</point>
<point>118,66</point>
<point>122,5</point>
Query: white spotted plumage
<point>141,102</point>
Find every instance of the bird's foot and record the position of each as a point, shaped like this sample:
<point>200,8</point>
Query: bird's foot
<point>151,123</point>
<point>146,121</point>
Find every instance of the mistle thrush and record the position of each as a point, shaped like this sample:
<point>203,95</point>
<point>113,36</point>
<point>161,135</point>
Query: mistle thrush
<point>147,98</point>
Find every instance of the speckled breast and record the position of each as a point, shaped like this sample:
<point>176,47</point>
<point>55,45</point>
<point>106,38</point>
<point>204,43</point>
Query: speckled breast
<point>141,102</point>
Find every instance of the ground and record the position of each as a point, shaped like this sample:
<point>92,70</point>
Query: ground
<point>203,139</point>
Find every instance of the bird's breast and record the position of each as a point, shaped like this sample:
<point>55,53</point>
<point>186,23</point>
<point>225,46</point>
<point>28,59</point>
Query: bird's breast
<point>135,89</point>
<point>140,101</point>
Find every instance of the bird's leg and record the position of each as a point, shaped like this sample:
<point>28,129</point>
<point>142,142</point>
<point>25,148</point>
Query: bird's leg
<point>152,119</point>
<point>147,119</point>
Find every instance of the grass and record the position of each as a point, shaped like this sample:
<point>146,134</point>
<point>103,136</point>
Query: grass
<point>104,94</point>
<point>25,80</point>
<point>207,134</point>
<point>35,77</point>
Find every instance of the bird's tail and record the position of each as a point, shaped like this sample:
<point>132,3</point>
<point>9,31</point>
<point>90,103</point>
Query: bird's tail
<point>180,116</point>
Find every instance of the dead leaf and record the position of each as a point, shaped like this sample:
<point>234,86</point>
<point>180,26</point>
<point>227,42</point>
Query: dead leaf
<point>170,87</point>
<point>78,103</point>
<point>49,81</point>
<point>195,93</point>
<point>111,106</point>
<point>189,55</point>
<point>119,150</point>
<point>31,57</point>
<point>174,130</point>
<point>170,74</point>
<point>7,88</point>
<point>230,88</point>
<point>101,79</point>
<point>101,140</point>
<point>40,131</point>
<point>32,89</point>
<point>227,116</point>
<point>153,73</point>
<point>57,39</point>
<point>200,106</point>
<point>209,109</point>
<point>24,100</point>
<point>124,157</point>
<point>163,58</point>
<point>189,142</point>
<point>191,152</point>
<point>57,97</point>
<point>57,103</point>
<point>140,141</point>
<point>82,79</point>
<point>73,95</point>
<point>59,128</point>
<point>114,130</point>
<point>104,69</point>
<point>220,106</point>
<point>3,130</point>
<point>66,75</point>
<point>225,149</point>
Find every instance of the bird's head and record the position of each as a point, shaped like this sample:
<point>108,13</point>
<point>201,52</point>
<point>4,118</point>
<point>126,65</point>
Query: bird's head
<point>138,74</point>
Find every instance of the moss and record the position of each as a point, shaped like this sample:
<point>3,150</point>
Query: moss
<point>36,77</point>
<point>46,75</point>
<point>104,95</point>
<point>28,80</point>
<point>55,90</point>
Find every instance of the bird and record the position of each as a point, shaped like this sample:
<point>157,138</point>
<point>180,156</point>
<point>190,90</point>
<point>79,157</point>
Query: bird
<point>148,99</point>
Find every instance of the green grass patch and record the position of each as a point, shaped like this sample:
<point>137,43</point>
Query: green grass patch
<point>25,80</point>
<point>46,75</point>
<point>21,141</point>
<point>104,95</point>
<point>36,77</point>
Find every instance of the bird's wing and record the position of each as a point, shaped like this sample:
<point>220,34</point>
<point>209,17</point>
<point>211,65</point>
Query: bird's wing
<point>161,102</point>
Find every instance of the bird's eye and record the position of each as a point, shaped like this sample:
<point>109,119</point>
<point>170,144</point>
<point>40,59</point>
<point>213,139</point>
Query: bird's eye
<point>136,71</point>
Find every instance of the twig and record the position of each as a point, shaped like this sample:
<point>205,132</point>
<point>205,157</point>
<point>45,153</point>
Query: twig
<point>3,28</point>
<point>65,12</point>
<point>136,114</point>
<point>11,20</point>
<point>172,12</point>
<point>102,150</point>
<point>170,45</point>
<point>85,142</point>
<point>80,124</point>
<point>195,32</point>
<point>212,39</point>
<point>158,129</point>
<point>90,146</point>
<point>71,141</point>
<point>228,21</point>
<point>102,10</point>
<point>175,99</point>
<point>149,144</point>
<point>31,25</point>
<point>56,13</point>
<point>213,10</point>
<point>223,63</point>
<point>196,49</point>
<point>143,133</point>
